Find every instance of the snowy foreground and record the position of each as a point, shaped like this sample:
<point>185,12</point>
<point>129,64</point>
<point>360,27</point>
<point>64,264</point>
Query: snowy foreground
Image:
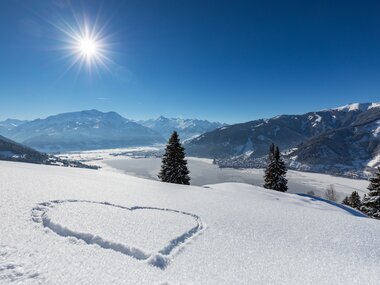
<point>78,226</point>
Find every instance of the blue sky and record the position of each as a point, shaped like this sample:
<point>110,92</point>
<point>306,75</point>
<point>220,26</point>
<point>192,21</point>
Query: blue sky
<point>230,61</point>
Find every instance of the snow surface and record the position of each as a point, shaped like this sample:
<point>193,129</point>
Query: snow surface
<point>80,226</point>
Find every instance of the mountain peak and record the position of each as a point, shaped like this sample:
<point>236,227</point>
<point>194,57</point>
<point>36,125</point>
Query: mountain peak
<point>356,107</point>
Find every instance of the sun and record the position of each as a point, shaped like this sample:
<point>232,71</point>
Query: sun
<point>85,43</point>
<point>88,47</point>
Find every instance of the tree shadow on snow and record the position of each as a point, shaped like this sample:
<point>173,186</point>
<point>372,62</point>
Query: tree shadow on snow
<point>352,211</point>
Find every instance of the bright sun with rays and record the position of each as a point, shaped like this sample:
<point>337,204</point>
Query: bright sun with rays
<point>85,44</point>
<point>88,47</point>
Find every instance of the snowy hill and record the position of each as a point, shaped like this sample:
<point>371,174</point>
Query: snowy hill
<point>90,129</point>
<point>77,226</point>
<point>186,128</point>
<point>320,138</point>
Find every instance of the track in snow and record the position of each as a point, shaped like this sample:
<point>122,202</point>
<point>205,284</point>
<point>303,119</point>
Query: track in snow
<point>159,259</point>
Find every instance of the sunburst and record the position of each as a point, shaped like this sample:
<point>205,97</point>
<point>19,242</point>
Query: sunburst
<point>85,44</point>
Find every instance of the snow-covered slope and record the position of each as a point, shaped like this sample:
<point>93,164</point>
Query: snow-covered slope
<point>186,128</point>
<point>77,226</point>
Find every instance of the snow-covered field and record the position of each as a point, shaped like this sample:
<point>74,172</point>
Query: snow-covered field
<point>79,226</point>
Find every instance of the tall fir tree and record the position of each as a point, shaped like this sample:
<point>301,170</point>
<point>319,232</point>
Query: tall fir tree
<point>174,165</point>
<point>269,173</point>
<point>276,171</point>
<point>371,200</point>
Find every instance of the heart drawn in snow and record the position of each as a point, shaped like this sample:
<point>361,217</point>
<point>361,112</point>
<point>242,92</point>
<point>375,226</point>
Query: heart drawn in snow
<point>148,234</point>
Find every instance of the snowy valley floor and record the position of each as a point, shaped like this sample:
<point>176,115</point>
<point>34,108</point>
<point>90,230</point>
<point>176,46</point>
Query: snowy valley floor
<point>77,226</point>
<point>203,172</point>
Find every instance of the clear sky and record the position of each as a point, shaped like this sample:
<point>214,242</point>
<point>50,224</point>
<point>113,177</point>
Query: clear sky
<point>230,61</point>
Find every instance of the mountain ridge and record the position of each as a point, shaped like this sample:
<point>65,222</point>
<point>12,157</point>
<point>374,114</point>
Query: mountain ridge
<point>186,128</point>
<point>88,129</point>
<point>246,144</point>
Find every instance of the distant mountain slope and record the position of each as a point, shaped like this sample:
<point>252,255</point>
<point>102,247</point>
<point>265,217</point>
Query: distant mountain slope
<point>340,139</point>
<point>90,129</point>
<point>348,150</point>
<point>187,128</point>
<point>12,151</point>
<point>10,124</point>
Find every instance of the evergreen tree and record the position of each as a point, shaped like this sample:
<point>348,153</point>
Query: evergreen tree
<point>355,201</point>
<point>346,201</point>
<point>371,201</point>
<point>276,171</point>
<point>269,171</point>
<point>174,166</point>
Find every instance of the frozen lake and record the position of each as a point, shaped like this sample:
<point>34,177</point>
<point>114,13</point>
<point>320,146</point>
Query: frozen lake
<point>203,172</point>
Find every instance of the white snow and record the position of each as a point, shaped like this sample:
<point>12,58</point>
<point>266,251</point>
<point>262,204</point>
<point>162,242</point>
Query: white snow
<point>374,105</point>
<point>375,162</point>
<point>358,106</point>
<point>78,226</point>
<point>376,131</point>
<point>317,119</point>
<point>349,107</point>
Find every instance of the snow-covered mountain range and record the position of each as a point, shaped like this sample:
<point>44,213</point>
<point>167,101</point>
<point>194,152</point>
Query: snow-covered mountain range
<point>342,140</point>
<point>186,128</point>
<point>83,130</point>
<point>93,129</point>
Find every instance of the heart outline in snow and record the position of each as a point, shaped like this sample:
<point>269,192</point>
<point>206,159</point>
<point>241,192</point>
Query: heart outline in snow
<point>159,259</point>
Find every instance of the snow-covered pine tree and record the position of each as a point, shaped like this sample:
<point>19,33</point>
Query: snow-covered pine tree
<point>355,201</point>
<point>371,200</point>
<point>269,171</point>
<point>174,165</point>
<point>280,172</point>
<point>276,171</point>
